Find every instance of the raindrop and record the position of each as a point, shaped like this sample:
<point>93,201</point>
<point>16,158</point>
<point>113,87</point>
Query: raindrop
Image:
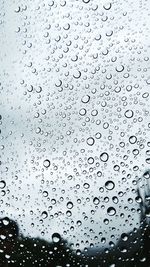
<point>45,193</point>
<point>132,139</point>
<point>58,83</point>
<point>104,157</point>
<point>96,201</point>
<point>124,237</point>
<point>70,205</point>
<point>77,74</point>
<point>85,99</point>
<point>148,81</point>
<point>111,211</point>
<point>109,185</point>
<point>56,238</point>
<point>2,184</point>
<point>98,135</point>
<point>86,186</point>
<point>90,141</point>
<point>82,111</point>
<point>90,160</point>
<point>146,175</point>
<point>86,1</point>
<point>129,113</point>
<point>107,6</point>
<point>44,214</point>
<point>46,163</point>
<point>120,68</point>
<point>98,37</point>
<point>115,199</point>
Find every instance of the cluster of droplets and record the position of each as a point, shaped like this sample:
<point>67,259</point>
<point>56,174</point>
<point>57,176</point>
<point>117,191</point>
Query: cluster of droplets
<point>75,134</point>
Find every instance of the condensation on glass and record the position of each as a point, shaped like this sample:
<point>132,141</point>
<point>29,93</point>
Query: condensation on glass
<point>75,128</point>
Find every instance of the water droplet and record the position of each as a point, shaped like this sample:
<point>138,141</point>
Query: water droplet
<point>146,175</point>
<point>104,157</point>
<point>132,139</point>
<point>82,111</point>
<point>86,1</point>
<point>97,37</point>
<point>109,185</point>
<point>90,160</point>
<point>2,184</point>
<point>115,199</point>
<point>44,214</point>
<point>45,193</point>
<point>46,163</point>
<point>70,205</point>
<point>120,68</point>
<point>56,238</point>
<point>111,211</point>
<point>85,99</point>
<point>124,237</point>
<point>77,74</point>
<point>58,83</point>
<point>86,185</point>
<point>96,201</point>
<point>148,81</point>
<point>129,113</point>
<point>107,6</point>
<point>98,135</point>
<point>90,141</point>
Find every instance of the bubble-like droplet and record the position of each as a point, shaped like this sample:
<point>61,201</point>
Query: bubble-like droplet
<point>94,112</point>
<point>145,95</point>
<point>90,141</point>
<point>132,139</point>
<point>111,211</point>
<point>70,177</point>
<point>82,111</point>
<point>109,185</point>
<point>120,68</point>
<point>44,214</point>
<point>97,37</point>
<point>104,157</point>
<point>6,221</point>
<point>58,83</point>
<point>77,74</point>
<point>106,221</point>
<point>146,175</point>
<point>70,205</point>
<point>109,33</point>
<point>124,237</point>
<point>86,1</point>
<point>129,113</point>
<point>45,193</point>
<point>98,135</point>
<point>17,10</point>
<point>107,6</point>
<point>138,199</point>
<point>56,238</point>
<point>2,184</point>
<point>85,99</point>
<point>46,163</point>
<point>147,213</point>
<point>148,81</point>
<point>96,200</point>
<point>115,199</point>
<point>118,89</point>
<point>86,185</point>
<point>90,160</point>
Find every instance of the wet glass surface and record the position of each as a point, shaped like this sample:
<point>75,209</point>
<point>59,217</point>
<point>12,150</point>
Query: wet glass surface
<point>75,128</point>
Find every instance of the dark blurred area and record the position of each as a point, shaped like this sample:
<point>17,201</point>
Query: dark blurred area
<point>17,250</point>
<point>131,250</point>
